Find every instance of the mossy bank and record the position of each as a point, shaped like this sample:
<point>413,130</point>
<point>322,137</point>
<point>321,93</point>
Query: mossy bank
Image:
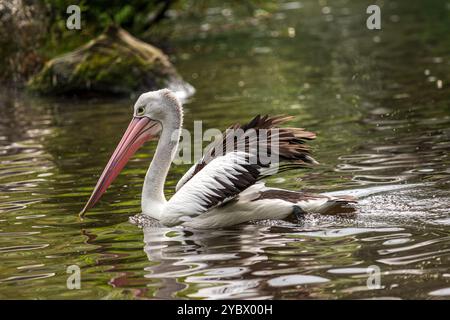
<point>114,62</point>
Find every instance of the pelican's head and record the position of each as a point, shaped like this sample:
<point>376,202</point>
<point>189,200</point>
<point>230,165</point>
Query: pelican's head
<point>162,106</point>
<point>152,111</point>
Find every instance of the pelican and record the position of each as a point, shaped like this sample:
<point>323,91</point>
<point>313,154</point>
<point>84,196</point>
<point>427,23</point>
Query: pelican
<point>222,188</point>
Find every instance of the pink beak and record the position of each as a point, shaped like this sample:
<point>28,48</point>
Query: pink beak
<point>138,132</point>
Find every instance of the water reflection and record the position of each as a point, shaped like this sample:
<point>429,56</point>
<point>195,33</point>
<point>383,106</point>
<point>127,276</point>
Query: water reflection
<point>286,261</point>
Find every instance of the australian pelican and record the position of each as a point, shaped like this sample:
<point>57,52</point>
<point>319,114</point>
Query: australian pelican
<point>220,189</point>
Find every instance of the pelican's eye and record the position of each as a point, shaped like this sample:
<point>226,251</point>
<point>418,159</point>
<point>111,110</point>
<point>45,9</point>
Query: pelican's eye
<point>140,111</point>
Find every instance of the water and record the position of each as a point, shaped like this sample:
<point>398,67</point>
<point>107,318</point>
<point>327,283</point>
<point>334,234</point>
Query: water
<point>379,101</point>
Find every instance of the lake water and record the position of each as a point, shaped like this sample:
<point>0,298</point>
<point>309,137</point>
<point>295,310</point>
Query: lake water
<point>379,102</point>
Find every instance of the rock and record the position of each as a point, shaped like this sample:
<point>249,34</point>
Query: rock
<point>114,62</point>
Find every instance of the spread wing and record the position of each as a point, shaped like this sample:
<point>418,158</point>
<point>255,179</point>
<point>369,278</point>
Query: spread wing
<point>291,144</point>
<point>238,159</point>
<point>221,180</point>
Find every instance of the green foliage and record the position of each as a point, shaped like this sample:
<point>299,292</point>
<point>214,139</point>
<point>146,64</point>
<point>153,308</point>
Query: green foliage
<point>134,15</point>
<point>22,27</point>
